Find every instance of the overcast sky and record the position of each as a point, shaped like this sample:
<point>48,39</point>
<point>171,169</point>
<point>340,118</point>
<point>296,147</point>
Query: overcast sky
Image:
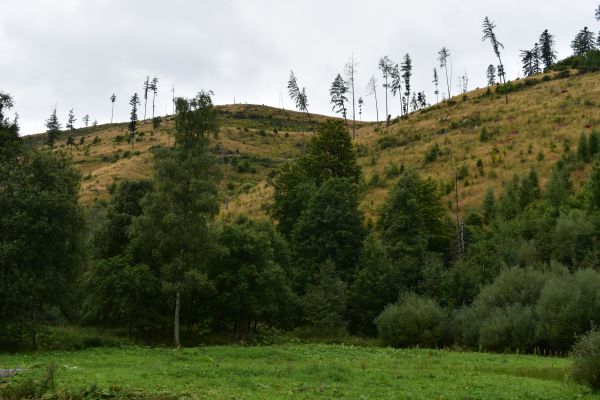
<point>76,53</point>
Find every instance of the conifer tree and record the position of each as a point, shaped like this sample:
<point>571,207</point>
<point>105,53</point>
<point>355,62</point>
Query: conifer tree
<point>422,99</point>
<point>386,67</point>
<point>52,128</point>
<point>338,92</point>
<point>146,90</point>
<point>531,61</point>
<point>584,41</point>
<point>396,85</point>
<point>443,57</point>
<point>86,120</point>
<point>71,120</point>
<point>436,82</point>
<point>154,89</point>
<point>113,98</point>
<point>547,51</point>
<point>489,34</point>
<point>406,69</point>
<point>593,144</point>
<point>489,205</point>
<point>298,96</point>
<point>491,75</point>
<point>133,102</point>
<point>372,91</point>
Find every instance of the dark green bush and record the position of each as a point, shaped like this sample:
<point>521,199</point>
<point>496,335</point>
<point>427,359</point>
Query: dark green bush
<point>413,321</point>
<point>388,142</point>
<point>586,360</point>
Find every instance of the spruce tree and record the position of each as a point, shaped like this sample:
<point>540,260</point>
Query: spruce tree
<point>298,96</point>
<point>584,42</point>
<point>489,34</point>
<point>52,129</point>
<point>86,120</point>
<point>489,206</point>
<point>406,69</point>
<point>547,51</point>
<point>491,75</point>
<point>396,85</point>
<point>338,92</point>
<point>443,57</point>
<point>154,89</point>
<point>531,61</point>
<point>133,102</point>
<point>71,120</point>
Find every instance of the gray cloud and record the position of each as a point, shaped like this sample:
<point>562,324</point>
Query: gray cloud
<point>76,53</point>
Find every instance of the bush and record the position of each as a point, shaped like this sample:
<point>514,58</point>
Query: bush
<point>433,153</point>
<point>388,142</point>
<point>586,360</point>
<point>413,321</point>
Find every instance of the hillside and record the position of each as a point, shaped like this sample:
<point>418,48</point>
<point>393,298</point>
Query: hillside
<point>477,134</point>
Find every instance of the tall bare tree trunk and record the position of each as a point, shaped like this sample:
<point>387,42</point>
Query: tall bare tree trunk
<point>176,322</point>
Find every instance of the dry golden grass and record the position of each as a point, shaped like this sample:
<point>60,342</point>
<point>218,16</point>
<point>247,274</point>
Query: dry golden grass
<point>540,119</point>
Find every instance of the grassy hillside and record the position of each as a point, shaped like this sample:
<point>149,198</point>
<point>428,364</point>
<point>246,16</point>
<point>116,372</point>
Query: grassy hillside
<point>300,372</point>
<point>476,134</point>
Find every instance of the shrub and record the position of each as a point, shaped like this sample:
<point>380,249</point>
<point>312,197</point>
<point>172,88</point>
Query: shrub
<point>433,153</point>
<point>413,321</point>
<point>586,360</point>
<point>388,142</point>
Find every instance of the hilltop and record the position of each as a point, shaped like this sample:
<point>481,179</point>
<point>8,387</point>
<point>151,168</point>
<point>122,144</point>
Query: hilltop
<point>475,135</point>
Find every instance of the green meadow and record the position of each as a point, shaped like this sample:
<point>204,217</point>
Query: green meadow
<point>294,371</point>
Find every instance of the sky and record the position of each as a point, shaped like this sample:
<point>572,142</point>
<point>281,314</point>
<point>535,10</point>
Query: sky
<point>74,54</point>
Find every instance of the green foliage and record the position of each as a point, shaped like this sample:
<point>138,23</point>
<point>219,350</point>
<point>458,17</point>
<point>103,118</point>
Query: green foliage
<point>174,233</point>
<point>292,192</point>
<point>41,228</point>
<point>195,120</point>
<point>568,306</point>
<point>324,302</point>
<point>583,154</point>
<point>433,153</point>
<point>377,284</point>
<point>489,205</point>
<point>413,219</point>
<point>52,128</point>
<point>249,276</point>
<point>110,237</point>
<point>413,321</point>
<point>586,359</point>
<point>329,229</point>
<point>330,154</point>
<point>122,295</point>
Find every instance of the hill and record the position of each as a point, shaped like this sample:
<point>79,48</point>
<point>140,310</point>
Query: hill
<point>474,136</point>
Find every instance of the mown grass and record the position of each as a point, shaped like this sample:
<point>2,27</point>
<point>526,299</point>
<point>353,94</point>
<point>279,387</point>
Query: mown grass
<point>301,371</point>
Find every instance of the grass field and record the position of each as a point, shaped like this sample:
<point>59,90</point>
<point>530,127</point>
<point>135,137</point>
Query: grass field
<point>300,371</point>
